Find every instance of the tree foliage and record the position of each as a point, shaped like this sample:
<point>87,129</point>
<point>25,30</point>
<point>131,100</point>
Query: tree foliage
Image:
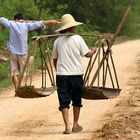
<point>103,15</point>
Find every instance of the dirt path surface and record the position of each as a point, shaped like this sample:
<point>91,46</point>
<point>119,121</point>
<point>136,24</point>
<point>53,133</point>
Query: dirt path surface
<point>119,118</point>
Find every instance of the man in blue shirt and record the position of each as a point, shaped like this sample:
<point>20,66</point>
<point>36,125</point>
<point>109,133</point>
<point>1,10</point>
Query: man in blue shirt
<point>18,42</point>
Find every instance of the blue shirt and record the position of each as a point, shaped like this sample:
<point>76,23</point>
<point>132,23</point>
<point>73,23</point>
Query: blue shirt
<point>18,34</point>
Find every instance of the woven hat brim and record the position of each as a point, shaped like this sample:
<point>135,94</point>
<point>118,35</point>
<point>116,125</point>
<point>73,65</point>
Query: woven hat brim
<point>68,26</point>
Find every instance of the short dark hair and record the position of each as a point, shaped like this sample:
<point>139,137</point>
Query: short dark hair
<point>18,16</point>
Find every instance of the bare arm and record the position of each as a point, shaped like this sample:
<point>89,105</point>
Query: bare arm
<point>46,22</point>
<point>91,52</point>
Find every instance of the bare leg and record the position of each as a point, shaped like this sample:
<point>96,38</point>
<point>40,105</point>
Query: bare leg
<point>76,112</point>
<point>15,81</point>
<point>65,114</point>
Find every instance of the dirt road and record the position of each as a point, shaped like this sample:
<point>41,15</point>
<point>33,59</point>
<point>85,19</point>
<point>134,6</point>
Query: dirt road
<point>39,118</point>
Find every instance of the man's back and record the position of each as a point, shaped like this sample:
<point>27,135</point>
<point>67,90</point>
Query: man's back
<point>69,52</point>
<point>18,34</point>
<point>18,37</point>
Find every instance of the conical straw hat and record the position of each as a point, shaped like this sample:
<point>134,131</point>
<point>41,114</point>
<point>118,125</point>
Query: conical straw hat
<point>67,21</point>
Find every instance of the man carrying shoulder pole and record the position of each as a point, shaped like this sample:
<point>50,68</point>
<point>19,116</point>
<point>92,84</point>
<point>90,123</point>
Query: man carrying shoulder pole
<point>18,42</point>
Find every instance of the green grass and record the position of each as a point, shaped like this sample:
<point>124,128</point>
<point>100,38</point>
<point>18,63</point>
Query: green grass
<point>5,83</point>
<point>5,79</point>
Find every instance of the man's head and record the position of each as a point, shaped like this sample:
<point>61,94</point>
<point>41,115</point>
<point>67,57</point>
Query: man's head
<point>18,16</point>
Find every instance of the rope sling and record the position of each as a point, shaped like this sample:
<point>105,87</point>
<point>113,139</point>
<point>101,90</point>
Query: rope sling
<point>103,92</point>
<point>30,91</point>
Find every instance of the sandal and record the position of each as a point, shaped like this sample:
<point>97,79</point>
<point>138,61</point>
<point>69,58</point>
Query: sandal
<point>77,129</point>
<point>67,131</point>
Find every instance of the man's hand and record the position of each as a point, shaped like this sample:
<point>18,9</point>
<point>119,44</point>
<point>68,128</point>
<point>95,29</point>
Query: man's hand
<point>93,50</point>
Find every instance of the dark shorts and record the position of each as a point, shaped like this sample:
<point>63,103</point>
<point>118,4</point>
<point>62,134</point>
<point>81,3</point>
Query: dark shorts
<point>70,88</point>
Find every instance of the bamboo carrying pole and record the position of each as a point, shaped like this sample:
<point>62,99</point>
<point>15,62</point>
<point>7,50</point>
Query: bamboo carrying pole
<point>67,34</point>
